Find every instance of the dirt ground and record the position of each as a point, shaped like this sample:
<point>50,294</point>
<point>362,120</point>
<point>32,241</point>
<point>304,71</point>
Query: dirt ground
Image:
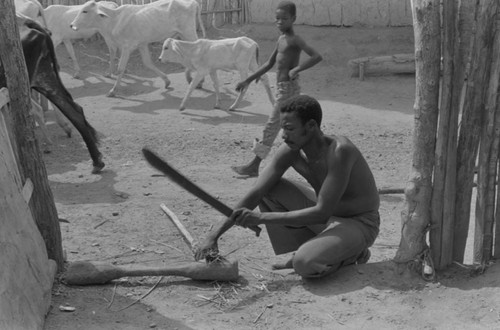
<point>116,217</point>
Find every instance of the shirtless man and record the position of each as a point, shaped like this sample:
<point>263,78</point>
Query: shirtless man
<point>287,56</point>
<point>329,223</point>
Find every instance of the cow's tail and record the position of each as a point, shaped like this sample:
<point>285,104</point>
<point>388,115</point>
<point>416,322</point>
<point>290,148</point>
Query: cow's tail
<point>198,16</point>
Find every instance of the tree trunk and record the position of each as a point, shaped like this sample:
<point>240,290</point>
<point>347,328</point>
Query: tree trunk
<point>416,216</point>
<point>30,160</point>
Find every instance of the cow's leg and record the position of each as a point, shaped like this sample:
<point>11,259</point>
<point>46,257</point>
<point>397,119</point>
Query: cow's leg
<point>63,122</point>
<point>215,81</point>
<point>243,76</point>
<point>75,114</point>
<point>122,65</point>
<point>71,52</point>
<point>112,57</point>
<point>37,112</point>
<point>187,73</point>
<point>199,76</point>
<point>146,59</point>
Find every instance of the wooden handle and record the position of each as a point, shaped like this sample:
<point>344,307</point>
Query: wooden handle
<point>187,236</point>
<point>88,273</point>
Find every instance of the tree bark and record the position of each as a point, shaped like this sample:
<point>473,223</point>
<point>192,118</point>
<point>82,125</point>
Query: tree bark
<point>29,157</point>
<point>416,216</point>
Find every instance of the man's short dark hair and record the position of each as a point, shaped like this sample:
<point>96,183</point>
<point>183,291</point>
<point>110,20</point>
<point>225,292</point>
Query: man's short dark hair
<point>306,107</point>
<point>288,6</point>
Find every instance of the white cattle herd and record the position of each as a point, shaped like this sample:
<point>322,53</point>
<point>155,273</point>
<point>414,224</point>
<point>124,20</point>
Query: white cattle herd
<point>129,27</point>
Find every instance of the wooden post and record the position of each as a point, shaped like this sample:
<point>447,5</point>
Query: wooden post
<point>444,185</point>
<point>30,159</point>
<point>488,151</point>
<point>466,22</point>
<point>496,249</point>
<point>416,216</point>
<point>472,116</point>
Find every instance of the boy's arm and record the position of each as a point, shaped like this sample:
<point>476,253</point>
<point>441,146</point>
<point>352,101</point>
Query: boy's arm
<point>314,58</point>
<point>260,71</point>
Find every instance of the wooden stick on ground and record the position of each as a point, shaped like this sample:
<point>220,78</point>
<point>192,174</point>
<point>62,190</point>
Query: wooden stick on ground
<point>185,234</point>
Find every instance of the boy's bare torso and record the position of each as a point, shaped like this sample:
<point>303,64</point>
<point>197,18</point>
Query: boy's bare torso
<point>287,57</point>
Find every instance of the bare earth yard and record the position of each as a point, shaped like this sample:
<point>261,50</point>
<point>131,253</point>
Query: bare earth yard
<point>116,217</point>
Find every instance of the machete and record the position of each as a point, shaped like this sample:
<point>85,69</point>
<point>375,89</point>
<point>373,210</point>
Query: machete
<point>161,165</point>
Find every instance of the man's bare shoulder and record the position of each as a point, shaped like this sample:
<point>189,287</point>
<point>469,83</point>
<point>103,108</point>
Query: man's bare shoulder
<point>342,146</point>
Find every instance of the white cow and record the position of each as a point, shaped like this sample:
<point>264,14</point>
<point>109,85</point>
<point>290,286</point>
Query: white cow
<point>32,9</point>
<point>136,26</point>
<point>59,18</point>
<point>207,56</point>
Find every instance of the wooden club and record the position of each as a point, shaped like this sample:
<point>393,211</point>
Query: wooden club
<point>88,273</point>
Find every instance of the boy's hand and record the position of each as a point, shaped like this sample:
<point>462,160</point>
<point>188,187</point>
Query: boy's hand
<point>241,85</point>
<point>293,73</point>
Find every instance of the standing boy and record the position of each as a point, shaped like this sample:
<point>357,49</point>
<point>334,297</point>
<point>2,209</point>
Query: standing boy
<point>287,56</point>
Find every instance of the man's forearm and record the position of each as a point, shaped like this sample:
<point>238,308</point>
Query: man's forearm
<point>220,229</point>
<point>304,217</point>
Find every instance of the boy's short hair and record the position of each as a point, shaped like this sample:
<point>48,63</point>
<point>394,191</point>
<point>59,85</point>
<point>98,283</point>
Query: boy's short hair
<point>305,107</point>
<point>288,6</point>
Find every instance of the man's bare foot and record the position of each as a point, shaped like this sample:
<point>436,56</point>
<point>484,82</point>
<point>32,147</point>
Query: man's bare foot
<point>286,265</point>
<point>246,170</point>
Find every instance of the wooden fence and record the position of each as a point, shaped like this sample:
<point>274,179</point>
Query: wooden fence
<point>214,12</point>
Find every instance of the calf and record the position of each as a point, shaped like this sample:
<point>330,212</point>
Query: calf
<point>59,18</point>
<point>43,76</point>
<point>136,26</point>
<point>207,56</point>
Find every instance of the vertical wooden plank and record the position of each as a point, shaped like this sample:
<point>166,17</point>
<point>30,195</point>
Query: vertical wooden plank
<point>496,245</point>
<point>488,150</point>
<point>467,15</point>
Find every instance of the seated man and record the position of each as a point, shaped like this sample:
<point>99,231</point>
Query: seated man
<point>330,223</point>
